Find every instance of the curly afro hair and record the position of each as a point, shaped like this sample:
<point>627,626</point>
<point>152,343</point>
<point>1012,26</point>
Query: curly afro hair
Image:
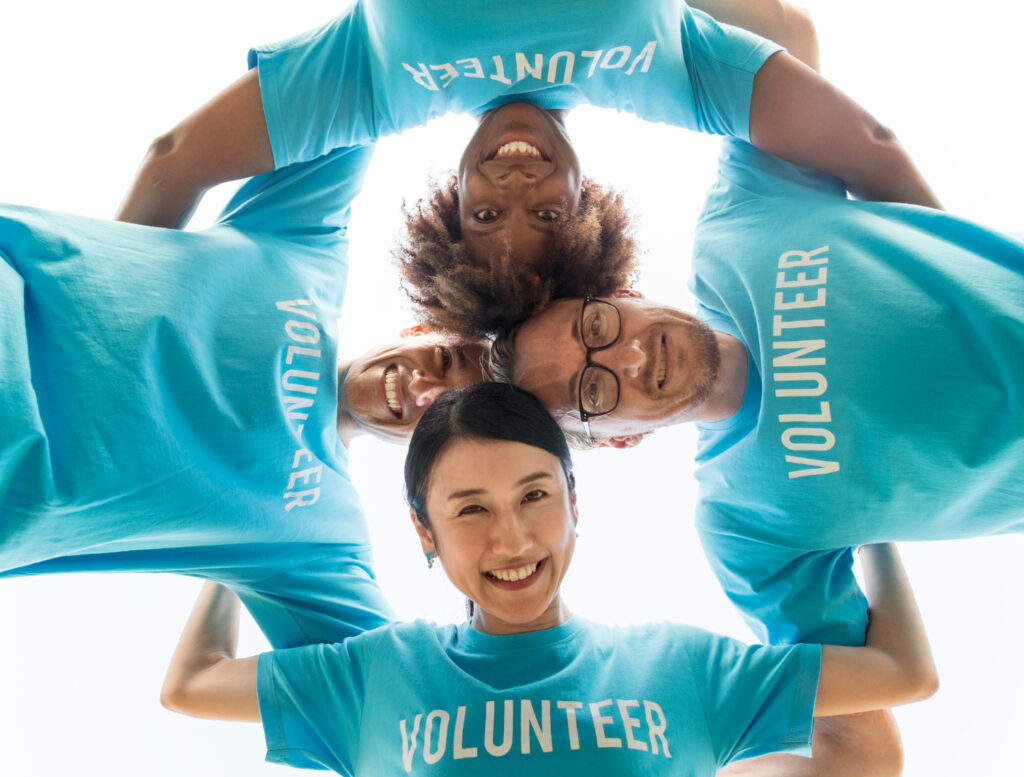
<point>591,252</point>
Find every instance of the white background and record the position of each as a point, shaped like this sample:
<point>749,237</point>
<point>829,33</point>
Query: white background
<point>85,86</point>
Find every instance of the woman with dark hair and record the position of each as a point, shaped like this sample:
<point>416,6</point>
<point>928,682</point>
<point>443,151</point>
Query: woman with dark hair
<point>522,226</point>
<point>524,683</point>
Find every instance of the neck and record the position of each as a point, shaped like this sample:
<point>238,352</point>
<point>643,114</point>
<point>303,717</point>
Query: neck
<point>730,383</point>
<point>487,623</point>
<point>346,424</point>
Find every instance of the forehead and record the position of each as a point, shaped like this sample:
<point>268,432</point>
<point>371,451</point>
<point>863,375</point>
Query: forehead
<point>548,354</point>
<point>559,318</point>
<point>474,464</point>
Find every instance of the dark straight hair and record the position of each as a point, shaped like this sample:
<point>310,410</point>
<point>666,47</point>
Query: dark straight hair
<point>483,411</point>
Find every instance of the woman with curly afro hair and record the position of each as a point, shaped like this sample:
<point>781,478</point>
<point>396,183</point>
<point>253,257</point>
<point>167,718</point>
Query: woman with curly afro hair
<point>516,228</point>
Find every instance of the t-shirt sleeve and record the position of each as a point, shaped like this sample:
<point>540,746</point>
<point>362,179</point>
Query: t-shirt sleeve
<point>787,596</point>
<point>746,173</point>
<point>757,699</point>
<point>311,702</point>
<point>307,202</point>
<point>320,600</point>
<point>721,61</point>
<point>317,90</point>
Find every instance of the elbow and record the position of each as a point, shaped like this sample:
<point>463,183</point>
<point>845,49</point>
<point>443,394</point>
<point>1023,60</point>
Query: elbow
<point>163,150</point>
<point>925,685</point>
<point>173,697</point>
<point>182,695</point>
<point>883,136</point>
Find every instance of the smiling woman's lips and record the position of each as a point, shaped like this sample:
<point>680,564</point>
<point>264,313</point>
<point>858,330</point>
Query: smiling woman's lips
<point>515,585</point>
<point>519,135</point>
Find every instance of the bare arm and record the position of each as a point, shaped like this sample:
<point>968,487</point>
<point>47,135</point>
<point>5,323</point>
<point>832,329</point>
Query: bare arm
<point>799,116</point>
<point>863,745</point>
<point>895,665</point>
<point>224,140</point>
<point>893,668</point>
<point>204,678</point>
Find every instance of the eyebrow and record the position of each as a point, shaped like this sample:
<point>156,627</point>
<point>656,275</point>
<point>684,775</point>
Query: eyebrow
<point>461,357</point>
<point>542,474</point>
<point>492,230</point>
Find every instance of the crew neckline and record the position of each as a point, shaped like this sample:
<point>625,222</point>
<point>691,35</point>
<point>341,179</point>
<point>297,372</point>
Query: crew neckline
<point>527,640</point>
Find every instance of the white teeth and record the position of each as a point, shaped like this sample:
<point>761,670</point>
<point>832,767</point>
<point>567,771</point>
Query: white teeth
<point>663,366</point>
<point>390,393</point>
<point>517,147</point>
<point>512,575</point>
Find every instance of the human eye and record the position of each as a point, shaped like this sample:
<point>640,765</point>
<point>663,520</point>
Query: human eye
<point>593,324</point>
<point>485,215</point>
<point>547,214</point>
<point>535,495</point>
<point>591,393</point>
<point>446,359</point>
<point>471,509</point>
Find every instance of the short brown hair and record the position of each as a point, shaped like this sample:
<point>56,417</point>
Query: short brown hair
<point>592,252</point>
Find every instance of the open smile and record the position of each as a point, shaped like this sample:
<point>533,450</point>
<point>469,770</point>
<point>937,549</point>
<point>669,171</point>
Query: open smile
<point>514,578</point>
<point>662,362</point>
<point>518,145</point>
<point>391,386</point>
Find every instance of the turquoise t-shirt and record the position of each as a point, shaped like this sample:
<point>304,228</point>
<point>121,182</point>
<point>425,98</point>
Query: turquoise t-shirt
<point>388,65</point>
<point>884,399</point>
<point>579,699</point>
<point>170,401</point>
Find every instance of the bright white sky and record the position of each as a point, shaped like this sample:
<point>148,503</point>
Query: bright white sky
<point>85,86</point>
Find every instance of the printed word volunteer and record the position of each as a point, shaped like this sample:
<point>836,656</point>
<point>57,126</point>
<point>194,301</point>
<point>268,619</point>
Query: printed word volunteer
<point>525,66</point>
<point>637,724</point>
<point>301,384</point>
<point>808,272</point>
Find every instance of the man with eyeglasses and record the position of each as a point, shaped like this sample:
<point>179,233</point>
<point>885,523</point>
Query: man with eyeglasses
<point>644,366</point>
<point>856,374</point>
<point>855,371</point>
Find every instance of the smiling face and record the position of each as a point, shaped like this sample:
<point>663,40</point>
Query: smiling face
<point>502,522</point>
<point>384,392</point>
<point>666,362</point>
<point>518,176</point>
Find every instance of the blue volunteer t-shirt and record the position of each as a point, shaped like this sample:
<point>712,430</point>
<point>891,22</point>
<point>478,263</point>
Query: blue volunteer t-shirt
<point>578,699</point>
<point>170,401</point>
<point>388,65</point>
<point>884,393</point>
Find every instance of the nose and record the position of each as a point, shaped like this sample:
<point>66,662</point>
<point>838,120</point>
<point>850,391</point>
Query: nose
<point>627,357</point>
<point>509,534</point>
<point>516,177</point>
<point>425,388</point>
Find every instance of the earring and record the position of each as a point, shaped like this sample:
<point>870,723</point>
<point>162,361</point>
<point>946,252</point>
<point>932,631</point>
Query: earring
<point>430,559</point>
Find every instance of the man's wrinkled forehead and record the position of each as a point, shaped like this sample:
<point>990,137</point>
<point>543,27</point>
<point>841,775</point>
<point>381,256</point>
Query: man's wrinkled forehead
<point>547,352</point>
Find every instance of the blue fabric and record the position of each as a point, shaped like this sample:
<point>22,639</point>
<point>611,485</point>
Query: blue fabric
<point>884,398</point>
<point>388,65</point>
<point>578,699</point>
<point>170,400</point>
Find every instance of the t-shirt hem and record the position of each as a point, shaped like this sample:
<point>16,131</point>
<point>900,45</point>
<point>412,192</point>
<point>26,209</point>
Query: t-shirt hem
<point>264,63</point>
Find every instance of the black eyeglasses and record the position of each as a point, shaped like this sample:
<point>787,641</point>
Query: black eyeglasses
<point>600,327</point>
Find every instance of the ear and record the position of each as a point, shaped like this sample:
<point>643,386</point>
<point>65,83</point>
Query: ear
<point>426,540</point>
<point>630,293</point>
<point>415,330</point>
<point>623,441</point>
<point>575,508</point>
